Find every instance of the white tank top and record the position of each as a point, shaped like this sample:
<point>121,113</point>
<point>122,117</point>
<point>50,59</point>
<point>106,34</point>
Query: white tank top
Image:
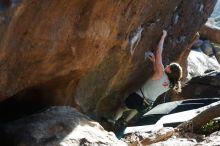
<point>154,88</point>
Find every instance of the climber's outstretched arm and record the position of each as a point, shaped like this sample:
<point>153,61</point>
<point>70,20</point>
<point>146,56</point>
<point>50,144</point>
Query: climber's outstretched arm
<point>158,64</point>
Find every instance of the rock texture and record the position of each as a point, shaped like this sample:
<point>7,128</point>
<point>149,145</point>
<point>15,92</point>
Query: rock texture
<point>89,54</point>
<point>205,86</point>
<point>56,126</point>
<point>141,138</point>
<point>210,32</point>
<point>168,136</point>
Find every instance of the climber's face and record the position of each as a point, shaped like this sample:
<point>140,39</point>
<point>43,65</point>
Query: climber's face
<point>167,69</point>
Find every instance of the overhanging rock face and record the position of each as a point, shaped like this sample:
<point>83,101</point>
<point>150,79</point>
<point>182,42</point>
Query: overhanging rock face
<point>89,54</point>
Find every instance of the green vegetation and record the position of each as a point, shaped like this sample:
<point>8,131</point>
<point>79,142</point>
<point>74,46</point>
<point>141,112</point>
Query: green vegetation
<point>210,127</point>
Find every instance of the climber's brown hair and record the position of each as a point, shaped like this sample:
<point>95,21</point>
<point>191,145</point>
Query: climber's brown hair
<point>174,76</point>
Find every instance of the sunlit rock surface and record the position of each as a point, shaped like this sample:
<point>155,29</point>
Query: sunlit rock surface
<point>199,63</point>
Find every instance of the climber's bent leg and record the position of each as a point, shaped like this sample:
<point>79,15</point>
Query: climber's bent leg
<point>119,113</point>
<point>131,114</point>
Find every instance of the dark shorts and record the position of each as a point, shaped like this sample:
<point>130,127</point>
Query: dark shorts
<point>134,101</point>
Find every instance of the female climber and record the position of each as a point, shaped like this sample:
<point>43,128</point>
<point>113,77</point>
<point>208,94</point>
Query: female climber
<point>162,80</point>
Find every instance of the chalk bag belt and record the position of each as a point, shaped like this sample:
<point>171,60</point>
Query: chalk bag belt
<point>147,101</point>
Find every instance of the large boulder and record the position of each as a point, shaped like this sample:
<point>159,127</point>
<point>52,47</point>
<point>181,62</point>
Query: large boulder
<point>204,86</point>
<point>88,54</point>
<point>199,63</point>
<point>211,30</point>
<point>56,126</point>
